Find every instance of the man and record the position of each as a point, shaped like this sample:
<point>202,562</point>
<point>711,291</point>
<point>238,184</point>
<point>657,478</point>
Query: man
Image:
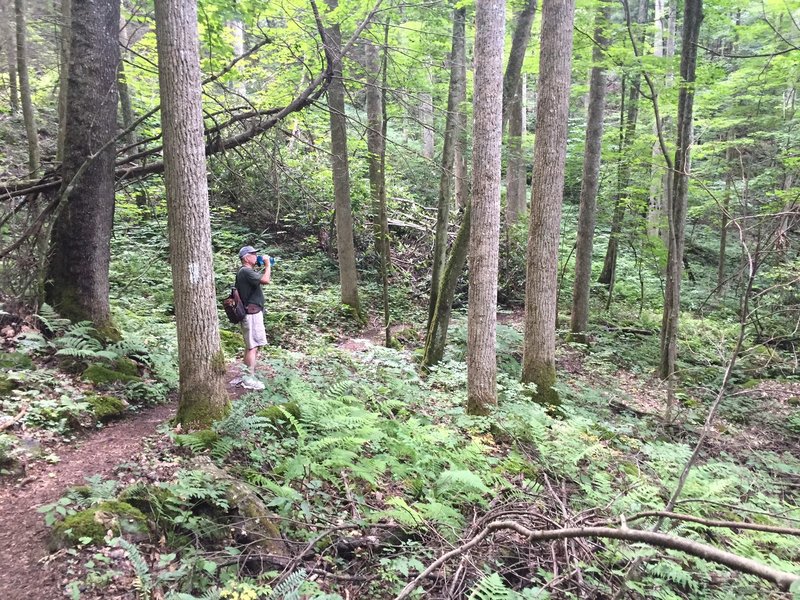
<point>249,282</point>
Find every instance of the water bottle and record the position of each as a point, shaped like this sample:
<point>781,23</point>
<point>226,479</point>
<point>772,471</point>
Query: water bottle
<point>260,261</point>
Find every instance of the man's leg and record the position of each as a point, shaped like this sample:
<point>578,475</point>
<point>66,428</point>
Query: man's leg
<point>250,357</point>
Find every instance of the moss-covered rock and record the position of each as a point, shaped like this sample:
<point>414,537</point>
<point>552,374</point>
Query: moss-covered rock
<point>16,360</point>
<point>277,415</point>
<point>793,401</point>
<point>158,503</point>
<point>127,366</point>
<point>120,518</point>
<point>6,385</point>
<point>102,375</point>
<point>106,408</point>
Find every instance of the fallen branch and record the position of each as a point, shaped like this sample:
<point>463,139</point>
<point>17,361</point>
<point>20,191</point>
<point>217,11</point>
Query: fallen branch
<point>781,579</point>
<point>15,419</point>
<point>715,523</point>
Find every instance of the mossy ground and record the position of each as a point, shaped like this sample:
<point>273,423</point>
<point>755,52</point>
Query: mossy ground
<point>106,408</point>
<point>102,375</point>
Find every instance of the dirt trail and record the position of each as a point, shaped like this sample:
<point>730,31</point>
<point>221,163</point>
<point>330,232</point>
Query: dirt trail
<point>22,529</point>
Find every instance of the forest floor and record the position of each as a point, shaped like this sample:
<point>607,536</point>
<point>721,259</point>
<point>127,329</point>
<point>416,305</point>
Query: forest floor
<point>133,450</point>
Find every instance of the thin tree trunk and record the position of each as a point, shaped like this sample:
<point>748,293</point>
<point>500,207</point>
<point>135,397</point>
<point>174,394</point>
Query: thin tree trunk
<point>63,74</point>
<point>25,87</point>
<point>552,112</point>
<point>201,394</point>
<point>590,182</point>
<point>608,272</point>
<point>723,226</point>
<point>426,121</point>
<point>436,339</point>
<point>451,133</point>
<point>341,178</point>
<point>484,239</point>
<point>513,113</point>
<point>8,37</point>
<point>77,278</point>
<point>676,211</point>
<point>461,183</point>
<point>122,84</point>
<point>375,142</point>
<point>385,241</point>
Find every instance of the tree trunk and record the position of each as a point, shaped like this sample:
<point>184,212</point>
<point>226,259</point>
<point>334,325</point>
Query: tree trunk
<point>63,74</point>
<point>590,181</point>
<point>341,177</point>
<point>375,146</point>
<point>384,218</point>
<point>724,220</point>
<point>122,85</point>
<point>514,113</point>
<point>676,210</point>
<point>608,272</point>
<point>552,112</point>
<point>436,339</point>
<point>77,278</point>
<point>202,396</point>
<point>451,133</point>
<point>8,36</point>
<point>516,58</point>
<point>484,239</point>
<point>426,121</point>
<point>25,87</point>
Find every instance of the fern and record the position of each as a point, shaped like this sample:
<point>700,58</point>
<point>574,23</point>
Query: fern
<point>144,581</point>
<point>51,319</point>
<point>289,589</point>
<point>492,588</point>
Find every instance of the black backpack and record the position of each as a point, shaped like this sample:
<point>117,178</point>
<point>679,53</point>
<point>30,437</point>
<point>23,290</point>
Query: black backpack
<point>234,307</point>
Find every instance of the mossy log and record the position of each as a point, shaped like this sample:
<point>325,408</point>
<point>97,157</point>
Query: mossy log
<point>258,527</point>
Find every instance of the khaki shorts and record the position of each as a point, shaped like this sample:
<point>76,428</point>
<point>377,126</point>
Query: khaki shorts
<point>253,331</point>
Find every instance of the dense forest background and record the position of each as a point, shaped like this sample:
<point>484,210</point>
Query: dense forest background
<point>533,323</point>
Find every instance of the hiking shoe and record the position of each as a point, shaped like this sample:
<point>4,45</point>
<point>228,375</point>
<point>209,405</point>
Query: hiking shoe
<point>251,383</point>
<point>236,381</point>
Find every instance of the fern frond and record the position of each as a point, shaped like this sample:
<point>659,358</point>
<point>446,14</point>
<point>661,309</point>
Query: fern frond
<point>139,563</point>
<point>492,588</point>
<point>289,589</point>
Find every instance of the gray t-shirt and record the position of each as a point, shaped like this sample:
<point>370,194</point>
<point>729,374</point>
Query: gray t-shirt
<point>248,282</point>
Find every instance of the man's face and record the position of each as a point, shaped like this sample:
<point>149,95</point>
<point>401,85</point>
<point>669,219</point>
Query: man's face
<point>250,259</point>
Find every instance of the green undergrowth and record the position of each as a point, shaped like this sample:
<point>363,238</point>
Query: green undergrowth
<point>364,442</point>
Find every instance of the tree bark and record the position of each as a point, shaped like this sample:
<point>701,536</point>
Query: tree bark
<point>339,165</point>
<point>608,272</point>
<point>77,278</point>
<point>552,112</point>
<point>63,74</point>
<point>426,121</point>
<point>437,332</point>
<point>484,239</point>
<point>724,220</point>
<point>590,182</point>
<point>515,164</point>
<point>676,210</point>
<point>451,133</point>
<point>6,19</point>
<point>25,87</point>
<point>513,113</point>
<point>375,144</point>
<point>126,110</point>
<point>202,396</point>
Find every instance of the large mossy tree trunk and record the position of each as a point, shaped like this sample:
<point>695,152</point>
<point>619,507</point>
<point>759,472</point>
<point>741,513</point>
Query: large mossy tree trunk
<point>345,245</point>
<point>552,110</point>
<point>201,392</point>
<point>678,202</point>
<point>590,181</point>
<point>80,245</point>
<point>451,133</point>
<point>484,239</point>
<point>28,115</point>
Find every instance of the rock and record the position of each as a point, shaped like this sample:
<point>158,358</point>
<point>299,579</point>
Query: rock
<point>277,416</point>
<point>101,375</point>
<point>106,408</point>
<point>120,518</point>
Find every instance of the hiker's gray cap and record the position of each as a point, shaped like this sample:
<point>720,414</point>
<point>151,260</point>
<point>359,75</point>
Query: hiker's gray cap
<point>247,250</point>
